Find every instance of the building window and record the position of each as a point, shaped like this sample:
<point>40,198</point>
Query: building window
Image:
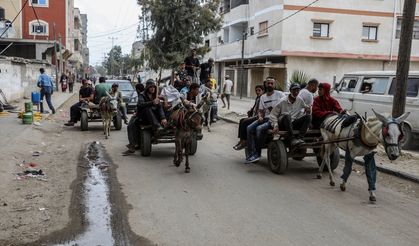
<point>39,3</point>
<point>207,43</point>
<point>38,28</point>
<point>321,30</point>
<point>263,28</point>
<point>220,40</point>
<point>369,32</point>
<point>415,28</point>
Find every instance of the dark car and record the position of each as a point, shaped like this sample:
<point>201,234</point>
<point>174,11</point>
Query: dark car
<point>127,90</point>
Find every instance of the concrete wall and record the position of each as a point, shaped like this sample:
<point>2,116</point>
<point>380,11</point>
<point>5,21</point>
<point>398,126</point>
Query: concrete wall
<point>18,78</point>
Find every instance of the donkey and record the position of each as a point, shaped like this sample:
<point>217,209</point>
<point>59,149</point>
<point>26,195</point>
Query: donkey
<point>365,135</point>
<point>108,108</point>
<point>188,122</point>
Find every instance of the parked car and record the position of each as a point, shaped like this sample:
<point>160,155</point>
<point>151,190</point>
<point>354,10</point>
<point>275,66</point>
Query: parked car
<point>363,91</point>
<point>127,90</point>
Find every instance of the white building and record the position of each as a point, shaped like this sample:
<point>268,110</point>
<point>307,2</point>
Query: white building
<point>326,39</point>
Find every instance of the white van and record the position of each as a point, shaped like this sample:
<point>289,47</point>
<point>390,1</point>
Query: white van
<point>363,91</point>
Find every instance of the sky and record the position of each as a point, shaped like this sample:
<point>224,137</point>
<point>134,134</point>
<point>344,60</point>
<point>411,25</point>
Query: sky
<point>107,19</point>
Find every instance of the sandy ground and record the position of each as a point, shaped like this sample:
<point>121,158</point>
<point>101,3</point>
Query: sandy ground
<point>33,207</point>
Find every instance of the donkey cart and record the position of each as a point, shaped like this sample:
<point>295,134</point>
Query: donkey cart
<point>279,150</point>
<point>148,137</point>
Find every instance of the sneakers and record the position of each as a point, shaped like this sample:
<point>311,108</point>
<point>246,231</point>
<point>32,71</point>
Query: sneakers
<point>126,121</point>
<point>252,159</point>
<point>70,123</point>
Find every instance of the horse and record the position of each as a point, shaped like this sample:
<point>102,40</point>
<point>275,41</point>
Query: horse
<point>188,121</point>
<point>108,106</point>
<point>207,102</point>
<point>361,138</point>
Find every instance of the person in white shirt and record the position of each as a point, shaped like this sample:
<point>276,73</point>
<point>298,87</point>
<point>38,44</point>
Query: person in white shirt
<point>256,131</point>
<point>307,93</point>
<point>291,113</point>
<point>228,87</point>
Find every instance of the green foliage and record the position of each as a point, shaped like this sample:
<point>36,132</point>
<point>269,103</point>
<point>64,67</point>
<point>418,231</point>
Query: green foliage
<point>299,77</point>
<point>113,61</point>
<point>177,26</point>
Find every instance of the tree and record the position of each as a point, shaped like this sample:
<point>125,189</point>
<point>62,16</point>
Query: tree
<point>177,26</point>
<point>101,70</point>
<point>113,62</point>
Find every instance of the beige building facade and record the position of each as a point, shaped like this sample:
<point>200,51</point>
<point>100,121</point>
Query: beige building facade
<point>11,8</point>
<point>325,39</point>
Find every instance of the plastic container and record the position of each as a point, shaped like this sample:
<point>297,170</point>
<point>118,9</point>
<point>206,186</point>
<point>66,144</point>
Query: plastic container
<point>28,107</point>
<point>36,97</point>
<point>27,118</point>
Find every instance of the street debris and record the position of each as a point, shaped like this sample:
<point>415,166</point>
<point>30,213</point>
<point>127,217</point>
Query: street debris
<point>36,153</point>
<point>36,123</point>
<point>31,170</point>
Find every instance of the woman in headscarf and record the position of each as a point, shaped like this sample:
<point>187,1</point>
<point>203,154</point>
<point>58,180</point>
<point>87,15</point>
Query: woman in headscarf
<point>324,105</point>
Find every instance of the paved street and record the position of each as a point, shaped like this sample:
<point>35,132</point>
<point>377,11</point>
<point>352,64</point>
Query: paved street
<point>221,202</point>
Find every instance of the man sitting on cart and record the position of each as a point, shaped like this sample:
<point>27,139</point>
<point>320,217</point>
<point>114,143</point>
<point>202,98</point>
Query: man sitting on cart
<point>291,113</point>
<point>85,95</point>
<point>149,108</point>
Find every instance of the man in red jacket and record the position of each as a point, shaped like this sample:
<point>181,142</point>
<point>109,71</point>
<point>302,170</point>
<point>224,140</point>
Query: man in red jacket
<point>324,105</point>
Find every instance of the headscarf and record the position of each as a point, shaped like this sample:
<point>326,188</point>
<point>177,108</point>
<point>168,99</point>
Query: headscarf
<point>326,90</point>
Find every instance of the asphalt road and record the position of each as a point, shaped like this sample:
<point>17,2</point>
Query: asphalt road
<point>225,202</point>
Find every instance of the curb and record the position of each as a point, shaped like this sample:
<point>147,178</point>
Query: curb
<point>65,101</point>
<point>391,171</point>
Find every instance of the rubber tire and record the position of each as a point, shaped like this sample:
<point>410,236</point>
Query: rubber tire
<point>408,138</point>
<point>334,160</point>
<point>277,157</point>
<point>194,145</point>
<point>117,122</point>
<point>145,138</point>
<point>84,121</point>
<point>300,151</point>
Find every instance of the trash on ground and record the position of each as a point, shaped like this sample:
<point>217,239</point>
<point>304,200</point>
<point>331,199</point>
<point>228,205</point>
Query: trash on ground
<point>36,123</point>
<point>36,153</point>
<point>31,170</point>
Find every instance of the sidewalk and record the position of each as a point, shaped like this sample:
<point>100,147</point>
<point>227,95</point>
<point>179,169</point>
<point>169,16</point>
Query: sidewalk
<point>406,166</point>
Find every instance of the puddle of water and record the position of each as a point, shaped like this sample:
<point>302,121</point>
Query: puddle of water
<point>97,203</point>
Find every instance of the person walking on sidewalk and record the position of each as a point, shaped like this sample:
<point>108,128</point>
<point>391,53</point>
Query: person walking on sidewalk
<point>47,88</point>
<point>64,82</point>
<point>71,79</point>
<point>227,88</point>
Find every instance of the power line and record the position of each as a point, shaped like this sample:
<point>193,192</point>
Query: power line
<point>5,30</point>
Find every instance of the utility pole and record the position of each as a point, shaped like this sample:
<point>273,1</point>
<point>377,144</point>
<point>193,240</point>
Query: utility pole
<point>242,65</point>
<point>403,61</point>
<point>111,54</point>
<point>56,58</point>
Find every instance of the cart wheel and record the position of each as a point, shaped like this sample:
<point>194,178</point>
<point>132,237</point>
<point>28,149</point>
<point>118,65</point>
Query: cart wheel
<point>301,152</point>
<point>145,138</point>
<point>407,140</point>
<point>194,145</point>
<point>84,121</point>
<point>334,160</point>
<point>277,157</point>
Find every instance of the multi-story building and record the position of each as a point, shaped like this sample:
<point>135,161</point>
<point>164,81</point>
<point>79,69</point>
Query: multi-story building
<point>85,51</point>
<point>76,60</point>
<point>324,40</point>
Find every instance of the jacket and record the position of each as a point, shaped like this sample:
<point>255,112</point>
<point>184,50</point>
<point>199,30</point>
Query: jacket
<point>326,104</point>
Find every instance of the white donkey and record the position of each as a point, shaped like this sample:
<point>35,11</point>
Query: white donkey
<point>382,129</point>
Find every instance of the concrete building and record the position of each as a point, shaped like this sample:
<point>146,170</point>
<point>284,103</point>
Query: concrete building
<point>8,10</point>
<point>85,51</point>
<point>324,40</point>
<point>76,60</point>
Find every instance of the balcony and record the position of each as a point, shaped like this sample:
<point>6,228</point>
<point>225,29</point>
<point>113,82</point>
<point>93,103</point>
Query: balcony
<point>236,15</point>
<point>236,3</point>
<point>227,51</point>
